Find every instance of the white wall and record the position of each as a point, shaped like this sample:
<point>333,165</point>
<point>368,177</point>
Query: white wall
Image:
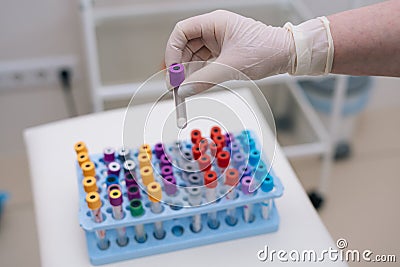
<point>43,28</point>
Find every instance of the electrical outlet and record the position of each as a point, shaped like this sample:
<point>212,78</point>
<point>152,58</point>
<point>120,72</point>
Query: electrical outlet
<point>36,73</point>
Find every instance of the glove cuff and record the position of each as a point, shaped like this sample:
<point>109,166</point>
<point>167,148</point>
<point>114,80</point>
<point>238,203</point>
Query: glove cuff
<point>314,47</point>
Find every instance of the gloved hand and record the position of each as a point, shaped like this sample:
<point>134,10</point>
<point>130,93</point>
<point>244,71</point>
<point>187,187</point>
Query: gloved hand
<point>253,48</point>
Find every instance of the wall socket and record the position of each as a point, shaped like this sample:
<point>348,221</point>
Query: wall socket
<point>36,73</point>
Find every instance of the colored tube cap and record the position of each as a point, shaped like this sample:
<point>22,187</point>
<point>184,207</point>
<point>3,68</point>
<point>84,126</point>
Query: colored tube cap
<point>115,197</point>
<point>170,185</point>
<point>196,151</point>
<point>111,179</point>
<point>147,175</point>
<point>176,74</point>
<point>268,184</point>
<point>246,181</point>
<point>238,160</point>
<point>88,169</point>
<point>194,179</point>
<point>133,192</point>
<point>89,184</point>
<point>254,157</point>
<point>129,179</point>
<point>113,187</point>
<point>210,179</point>
<point>129,166</point>
<point>109,154</point>
<point>231,177</point>
<point>82,158</point>
<point>235,147</point>
<point>220,139</point>
<point>203,145</point>
<point>93,200</point>
<point>124,154</point>
<point>154,192</point>
<point>261,171</point>
<point>159,150</point>
<point>136,208</point>
<point>195,136</point>
<point>223,158</point>
<point>164,160</point>
<point>144,160</point>
<point>204,163</point>
<point>114,168</point>
<point>166,171</point>
<point>80,147</point>
<point>245,170</point>
<point>145,148</point>
<point>215,131</point>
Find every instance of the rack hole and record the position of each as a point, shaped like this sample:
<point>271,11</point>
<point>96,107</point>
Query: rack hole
<point>177,230</point>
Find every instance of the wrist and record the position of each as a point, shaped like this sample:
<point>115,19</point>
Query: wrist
<point>313,52</point>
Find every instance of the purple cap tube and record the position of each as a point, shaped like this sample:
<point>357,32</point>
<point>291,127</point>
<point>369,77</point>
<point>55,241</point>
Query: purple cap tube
<point>129,179</point>
<point>166,171</point>
<point>109,154</point>
<point>133,192</point>
<point>164,161</point>
<point>115,197</point>
<point>234,147</point>
<point>239,160</point>
<point>245,170</point>
<point>246,181</point>
<point>176,77</point>
<point>229,137</point>
<point>112,187</point>
<point>159,149</point>
<point>114,168</point>
<point>170,185</point>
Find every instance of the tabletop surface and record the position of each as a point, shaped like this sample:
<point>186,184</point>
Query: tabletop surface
<point>62,241</point>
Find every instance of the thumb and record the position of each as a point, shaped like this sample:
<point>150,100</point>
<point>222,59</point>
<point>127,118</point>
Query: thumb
<point>206,77</point>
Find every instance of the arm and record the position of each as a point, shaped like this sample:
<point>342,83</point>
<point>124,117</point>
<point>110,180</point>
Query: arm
<point>367,40</point>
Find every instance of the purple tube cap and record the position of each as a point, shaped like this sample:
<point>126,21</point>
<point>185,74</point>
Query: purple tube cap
<point>166,170</point>
<point>133,192</point>
<point>115,197</point>
<point>170,185</point>
<point>246,181</point>
<point>176,74</point>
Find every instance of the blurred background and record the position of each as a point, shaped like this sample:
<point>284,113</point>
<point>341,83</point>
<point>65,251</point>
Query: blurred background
<point>66,58</point>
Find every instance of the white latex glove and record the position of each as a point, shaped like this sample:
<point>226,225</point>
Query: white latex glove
<point>253,48</point>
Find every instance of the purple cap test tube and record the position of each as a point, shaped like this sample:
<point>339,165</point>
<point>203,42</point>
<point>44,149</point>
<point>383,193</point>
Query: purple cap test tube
<point>159,149</point>
<point>245,170</point>
<point>246,181</point>
<point>133,192</point>
<point>239,160</point>
<point>114,168</point>
<point>166,171</point>
<point>129,179</point>
<point>115,201</point>
<point>170,185</point>
<point>109,154</point>
<point>164,161</point>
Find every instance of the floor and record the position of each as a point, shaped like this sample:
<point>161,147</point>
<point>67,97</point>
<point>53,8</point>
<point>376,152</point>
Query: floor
<point>361,206</point>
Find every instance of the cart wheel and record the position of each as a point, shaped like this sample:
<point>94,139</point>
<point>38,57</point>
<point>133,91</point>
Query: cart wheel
<point>343,151</point>
<point>284,123</point>
<point>316,199</point>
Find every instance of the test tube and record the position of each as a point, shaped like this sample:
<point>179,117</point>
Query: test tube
<point>123,154</point>
<point>170,185</point>
<point>146,148</point>
<point>231,180</point>
<point>108,154</point>
<point>223,159</point>
<point>89,184</point>
<point>254,157</point>
<point>114,168</point>
<point>115,197</point>
<point>80,147</point>
<point>133,192</point>
<point>238,159</point>
<point>129,166</point>
<point>155,195</point>
<point>204,163</point>
<point>113,187</point>
<point>89,169</point>
<point>245,170</point>
<point>164,161</point>
<point>215,130</point>
<point>94,204</point>
<point>159,150</point>
<point>195,200</point>
<point>195,179</point>
<point>267,186</point>
<point>83,157</point>
<point>147,175</point>
<point>187,169</point>
<point>144,160</point>
<point>195,136</point>
<point>136,208</point>
<point>248,215</point>
<point>129,179</point>
<point>210,181</point>
<point>176,77</point>
<point>166,171</point>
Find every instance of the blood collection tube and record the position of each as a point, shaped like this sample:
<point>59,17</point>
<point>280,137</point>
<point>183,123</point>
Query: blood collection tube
<point>136,208</point>
<point>133,192</point>
<point>170,185</point>
<point>145,148</point>
<point>123,154</point>
<point>195,136</point>
<point>229,138</point>
<point>166,171</point>
<point>108,154</point>
<point>220,139</point>
<point>159,150</point>
<point>266,186</point>
<point>89,169</point>
<point>144,160</point>
<point>210,181</point>
<point>215,131</point>
<point>129,166</point>
<point>252,144</point>
<point>194,199</point>
<point>176,77</point>
<point>231,180</point>
<point>223,159</point>
<point>238,160</point>
<point>83,157</point>
<point>187,169</point>
<point>113,187</point>
<point>196,151</point>
<point>203,145</point>
<point>94,204</point>
<point>89,184</point>
<point>111,179</point>
<point>248,208</point>
<point>204,163</point>
<point>164,161</point>
<point>235,147</point>
<point>115,197</point>
<point>215,148</point>
<point>155,195</point>
<point>245,170</point>
<point>195,179</point>
<point>254,157</point>
<point>80,147</point>
<point>130,179</point>
<point>184,157</point>
<point>147,175</point>
<point>114,168</point>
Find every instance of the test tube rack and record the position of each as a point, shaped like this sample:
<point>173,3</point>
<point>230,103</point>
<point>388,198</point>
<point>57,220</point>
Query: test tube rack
<point>176,215</point>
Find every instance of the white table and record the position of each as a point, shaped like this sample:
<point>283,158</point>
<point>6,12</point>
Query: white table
<point>62,241</point>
